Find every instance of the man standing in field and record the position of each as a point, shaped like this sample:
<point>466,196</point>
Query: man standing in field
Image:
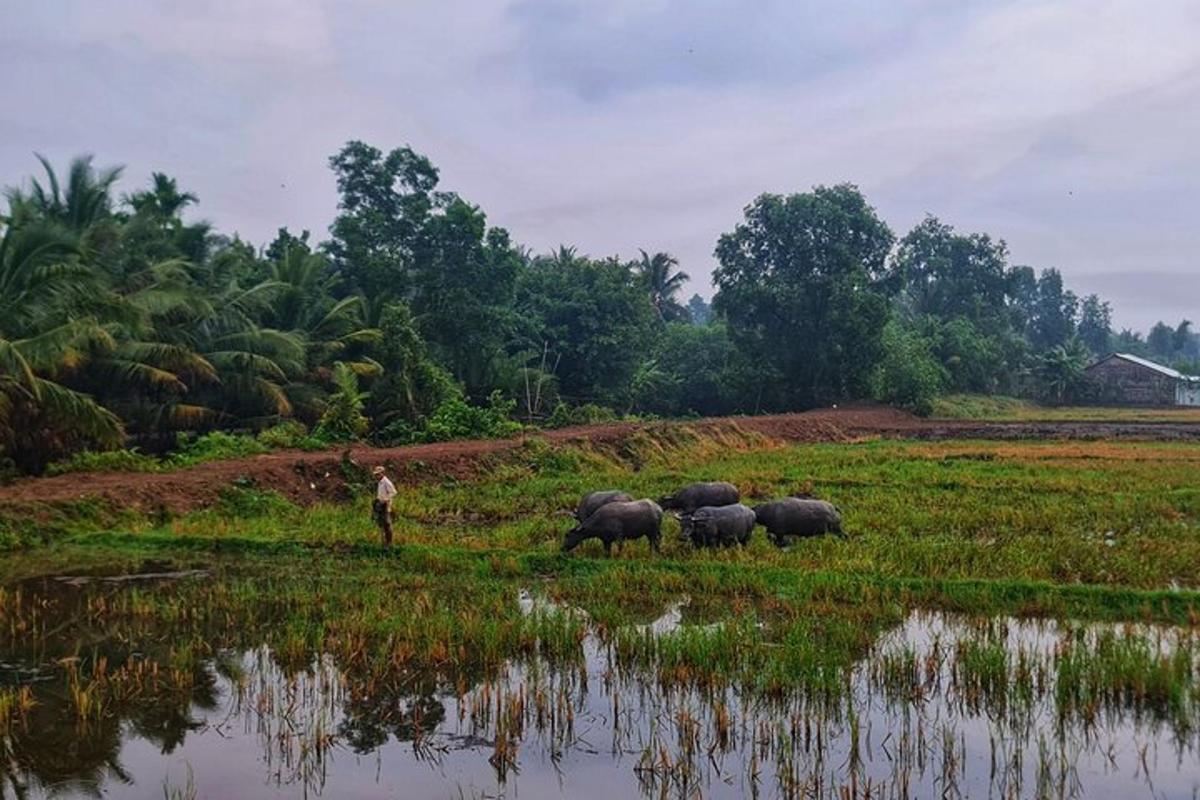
<point>382,507</point>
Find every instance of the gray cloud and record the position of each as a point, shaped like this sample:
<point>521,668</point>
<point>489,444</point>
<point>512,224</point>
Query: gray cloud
<point>1065,127</point>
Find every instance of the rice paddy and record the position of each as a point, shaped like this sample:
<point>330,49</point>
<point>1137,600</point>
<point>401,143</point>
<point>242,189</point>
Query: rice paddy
<point>1004,619</point>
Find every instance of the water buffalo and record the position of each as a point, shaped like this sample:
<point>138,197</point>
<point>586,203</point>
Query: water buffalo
<point>793,516</point>
<point>709,526</point>
<point>689,498</point>
<point>617,522</point>
<point>593,501</point>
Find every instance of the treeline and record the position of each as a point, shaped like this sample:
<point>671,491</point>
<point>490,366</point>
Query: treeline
<point>122,323</point>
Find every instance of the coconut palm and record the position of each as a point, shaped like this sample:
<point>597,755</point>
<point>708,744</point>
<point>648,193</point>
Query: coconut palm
<point>163,199</point>
<point>41,345</point>
<point>663,284</point>
<point>83,200</point>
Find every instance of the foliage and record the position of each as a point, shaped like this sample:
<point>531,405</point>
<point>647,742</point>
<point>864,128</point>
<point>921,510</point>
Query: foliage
<point>1095,325</point>
<point>593,317</point>
<point>702,373</point>
<point>565,416</point>
<point>412,385</point>
<point>663,283</point>
<point>801,284</point>
<point>123,319</point>
<point>699,312</point>
<point>908,375</point>
<point>291,434</point>
<point>105,461</point>
<point>213,446</point>
<point>1053,322</point>
<point>343,420</point>
<point>456,419</point>
<point>1059,372</point>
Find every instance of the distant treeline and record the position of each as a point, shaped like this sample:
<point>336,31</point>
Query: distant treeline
<point>121,323</point>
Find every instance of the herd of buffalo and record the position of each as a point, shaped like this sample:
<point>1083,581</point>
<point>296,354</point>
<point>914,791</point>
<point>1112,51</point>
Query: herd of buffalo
<point>711,514</point>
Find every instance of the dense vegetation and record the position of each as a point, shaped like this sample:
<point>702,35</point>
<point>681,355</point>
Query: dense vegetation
<point>124,324</point>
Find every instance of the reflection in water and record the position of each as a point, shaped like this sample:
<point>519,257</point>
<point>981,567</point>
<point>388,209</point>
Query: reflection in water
<point>941,706</point>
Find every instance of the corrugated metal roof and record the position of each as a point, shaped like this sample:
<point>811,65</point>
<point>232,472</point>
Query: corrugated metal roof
<point>1170,373</point>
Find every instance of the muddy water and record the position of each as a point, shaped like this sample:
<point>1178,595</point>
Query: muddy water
<point>925,714</point>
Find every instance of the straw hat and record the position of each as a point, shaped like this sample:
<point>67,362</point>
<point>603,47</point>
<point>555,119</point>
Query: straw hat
<point>378,471</point>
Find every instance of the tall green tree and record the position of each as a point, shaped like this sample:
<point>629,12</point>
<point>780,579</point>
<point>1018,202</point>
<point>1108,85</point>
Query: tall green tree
<point>385,200</point>
<point>1161,341</point>
<point>593,318</point>
<point>463,282</point>
<point>801,282</point>
<point>1095,324</point>
<point>699,312</point>
<point>950,275</point>
<point>1053,322</point>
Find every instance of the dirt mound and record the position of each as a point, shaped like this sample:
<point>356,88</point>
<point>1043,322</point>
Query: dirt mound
<point>306,477</point>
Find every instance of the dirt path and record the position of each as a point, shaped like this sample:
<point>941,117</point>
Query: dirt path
<point>306,477</point>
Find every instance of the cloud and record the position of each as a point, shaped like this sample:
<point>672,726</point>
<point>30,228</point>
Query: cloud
<point>1065,127</point>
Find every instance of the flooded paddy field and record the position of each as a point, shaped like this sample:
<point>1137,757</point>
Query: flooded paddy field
<point>1004,620</point>
<point>174,684</point>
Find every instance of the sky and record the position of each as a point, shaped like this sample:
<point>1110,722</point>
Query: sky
<point>1068,128</point>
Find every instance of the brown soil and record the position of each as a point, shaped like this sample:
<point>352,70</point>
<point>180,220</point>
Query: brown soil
<point>306,477</point>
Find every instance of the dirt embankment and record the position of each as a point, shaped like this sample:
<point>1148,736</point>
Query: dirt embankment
<point>306,477</point>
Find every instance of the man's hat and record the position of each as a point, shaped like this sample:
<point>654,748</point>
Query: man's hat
<point>378,471</point>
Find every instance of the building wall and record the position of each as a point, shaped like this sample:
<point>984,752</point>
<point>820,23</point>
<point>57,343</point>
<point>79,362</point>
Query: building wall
<point>1187,394</point>
<point>1120,382</point>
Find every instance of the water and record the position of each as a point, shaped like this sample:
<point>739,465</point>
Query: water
<point>928,712</point>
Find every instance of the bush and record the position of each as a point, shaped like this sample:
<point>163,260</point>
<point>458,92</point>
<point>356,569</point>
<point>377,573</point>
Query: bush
<point>908,375</point>
<point>105,461</point>
<point>343,420</point>
<point>247,502</point>
<point>587,414</point>
<point>457,419</point>
<point>291,435</point>
<point>973,406</point>
<point>214,446</point>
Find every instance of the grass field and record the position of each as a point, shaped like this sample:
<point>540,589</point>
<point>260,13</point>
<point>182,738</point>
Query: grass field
<point>1079,531</point>
<point>1010,409</point>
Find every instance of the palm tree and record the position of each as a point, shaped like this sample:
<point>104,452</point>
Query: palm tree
<point>1060,370</point>
<point>84,200</point>
<point>41,345</point>
<point>663,285</point>
<point>327,328</point>
<point>163,199</point>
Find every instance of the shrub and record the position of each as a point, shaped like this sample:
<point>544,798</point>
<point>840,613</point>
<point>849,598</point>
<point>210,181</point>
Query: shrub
<point>105,461</point>
<point>457,419</point>
<point>586,414</point>
<point>343,420</point>
<point>908,375</point>
<point>291,435</point>
<point>247,502</point>
<point>214,446</point>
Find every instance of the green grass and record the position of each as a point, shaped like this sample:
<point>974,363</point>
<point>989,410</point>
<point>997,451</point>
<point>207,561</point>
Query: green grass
<point>1081,530</point>
<point>999,408</point>
<point>1118,514</point>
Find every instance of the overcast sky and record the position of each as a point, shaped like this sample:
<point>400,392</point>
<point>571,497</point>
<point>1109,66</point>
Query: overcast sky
<point>1069,128</point>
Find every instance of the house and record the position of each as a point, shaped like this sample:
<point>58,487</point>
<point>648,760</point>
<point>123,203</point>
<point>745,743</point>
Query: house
<point>1124,379</point>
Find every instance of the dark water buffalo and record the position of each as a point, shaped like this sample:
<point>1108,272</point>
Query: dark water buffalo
<point>617,522</point>
<point>794,516</point>
<point>592,501</point>
<point>709,526</point>
<point>689,498</point>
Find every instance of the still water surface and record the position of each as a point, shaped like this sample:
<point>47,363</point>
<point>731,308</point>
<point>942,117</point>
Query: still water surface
<point>922,716</point>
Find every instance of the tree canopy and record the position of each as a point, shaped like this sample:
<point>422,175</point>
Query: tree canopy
<point>125,320</point>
